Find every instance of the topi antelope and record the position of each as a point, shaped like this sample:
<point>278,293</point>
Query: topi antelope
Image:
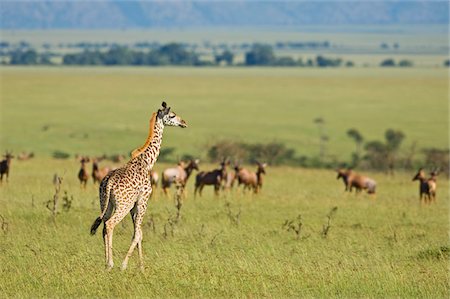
<point>83,175</point>
<point>5,165</point>
<point>179,174</point>
<point>213,177</point>
<point>427,187</point>
<point>359,182</point>
<point>98,173</point>
<point>230,179</point>
<point>251,180</point>
<point>23,156</point>
<point>154,178</point>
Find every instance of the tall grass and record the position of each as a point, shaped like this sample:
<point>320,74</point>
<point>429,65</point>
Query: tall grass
<point>383,246</point>
<point>234,245</point>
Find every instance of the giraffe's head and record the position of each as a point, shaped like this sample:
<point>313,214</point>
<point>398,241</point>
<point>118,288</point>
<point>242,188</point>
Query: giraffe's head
<point>169,118</point>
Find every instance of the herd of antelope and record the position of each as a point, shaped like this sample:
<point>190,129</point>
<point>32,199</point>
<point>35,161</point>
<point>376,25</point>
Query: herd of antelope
<point>220,178</point>
<point>226,177</point>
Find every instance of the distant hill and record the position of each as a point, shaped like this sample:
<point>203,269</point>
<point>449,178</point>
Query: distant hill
<point>109,14</point>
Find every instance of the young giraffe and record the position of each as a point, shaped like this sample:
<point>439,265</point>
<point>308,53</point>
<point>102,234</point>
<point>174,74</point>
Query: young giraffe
<point>128,188</point>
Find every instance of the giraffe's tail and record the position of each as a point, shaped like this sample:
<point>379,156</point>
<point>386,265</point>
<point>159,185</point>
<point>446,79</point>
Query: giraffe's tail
<point>104,201</point>
<point>95,225</point>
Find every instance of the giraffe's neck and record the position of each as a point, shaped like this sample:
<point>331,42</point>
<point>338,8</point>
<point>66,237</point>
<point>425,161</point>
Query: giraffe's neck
<point>151,153</point>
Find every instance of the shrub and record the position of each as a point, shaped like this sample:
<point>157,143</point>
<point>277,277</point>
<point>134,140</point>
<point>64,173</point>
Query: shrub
<point>405,63</point>
<point>387,62</point>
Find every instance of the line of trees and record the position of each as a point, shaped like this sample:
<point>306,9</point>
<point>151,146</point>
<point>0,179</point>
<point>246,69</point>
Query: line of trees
<point>178,54</point>
<point>391,63</point>
<point>170,54</point>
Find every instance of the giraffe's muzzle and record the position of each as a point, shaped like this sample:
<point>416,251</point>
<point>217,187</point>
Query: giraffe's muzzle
<point>183,124</point>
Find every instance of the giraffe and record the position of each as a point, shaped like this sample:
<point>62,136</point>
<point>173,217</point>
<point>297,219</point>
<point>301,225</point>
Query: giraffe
<point>128,188</point>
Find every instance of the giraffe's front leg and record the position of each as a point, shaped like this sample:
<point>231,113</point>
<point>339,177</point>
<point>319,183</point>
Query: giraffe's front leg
<point>139,244</point>
<point>139,211</point>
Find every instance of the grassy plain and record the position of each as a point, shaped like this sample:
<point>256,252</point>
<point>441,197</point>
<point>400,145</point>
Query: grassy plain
<point>388,246</point>
<point>106,110</point>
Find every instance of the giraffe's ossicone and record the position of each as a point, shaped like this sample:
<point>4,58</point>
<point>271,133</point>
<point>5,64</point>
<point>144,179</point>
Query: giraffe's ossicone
<point>127,189</point>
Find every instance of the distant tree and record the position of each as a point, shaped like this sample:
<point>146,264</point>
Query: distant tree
<point>327,62</point>
<point>226,56</point>
<point>45,59</point>
<point>438,158</point>
<point>349,64</point>
<point>85,58</point>
<point>376,155</point>
<point>405,63</point>
<point>381,155</point>
<point>387,62</point>
<point>393,141</point>
<point>447,63</point>
<point>177,55</point>
<point>260,55</point>
<point>285,61</point>
<point>139,58</point>
<point>358,139</point>
<point>118,56</point>
<point>384,46</point>
<point>24,57</point>
<point>155,58</point>
<point>396,46</point>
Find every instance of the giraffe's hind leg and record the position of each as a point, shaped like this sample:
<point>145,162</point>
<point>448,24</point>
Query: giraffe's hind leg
<point>105,219</point>
<point>138,211</point>
<point>122,209</point>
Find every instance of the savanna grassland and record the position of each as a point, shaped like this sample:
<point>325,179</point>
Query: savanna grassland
<point>387,246</point>
<point>234,245</point>
<point>106,110</point>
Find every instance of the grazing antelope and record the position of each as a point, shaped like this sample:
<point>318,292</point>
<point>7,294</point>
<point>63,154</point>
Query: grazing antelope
<point>98,173</point>
<point>213,177</point>
<point>127,189</point>
<point>359,182</point>
<point>427,187</point>
<point>5,165</point>
<point>251,180</point>
<point>83,175</point>
<point>230,179</point>
<point>179,174</point>
<point>117,158</point>
<point>154,178</point>
<point>23,156</point>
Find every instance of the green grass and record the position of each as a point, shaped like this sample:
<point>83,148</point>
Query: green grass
<point>106,110</point>
<point>388,246</point>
